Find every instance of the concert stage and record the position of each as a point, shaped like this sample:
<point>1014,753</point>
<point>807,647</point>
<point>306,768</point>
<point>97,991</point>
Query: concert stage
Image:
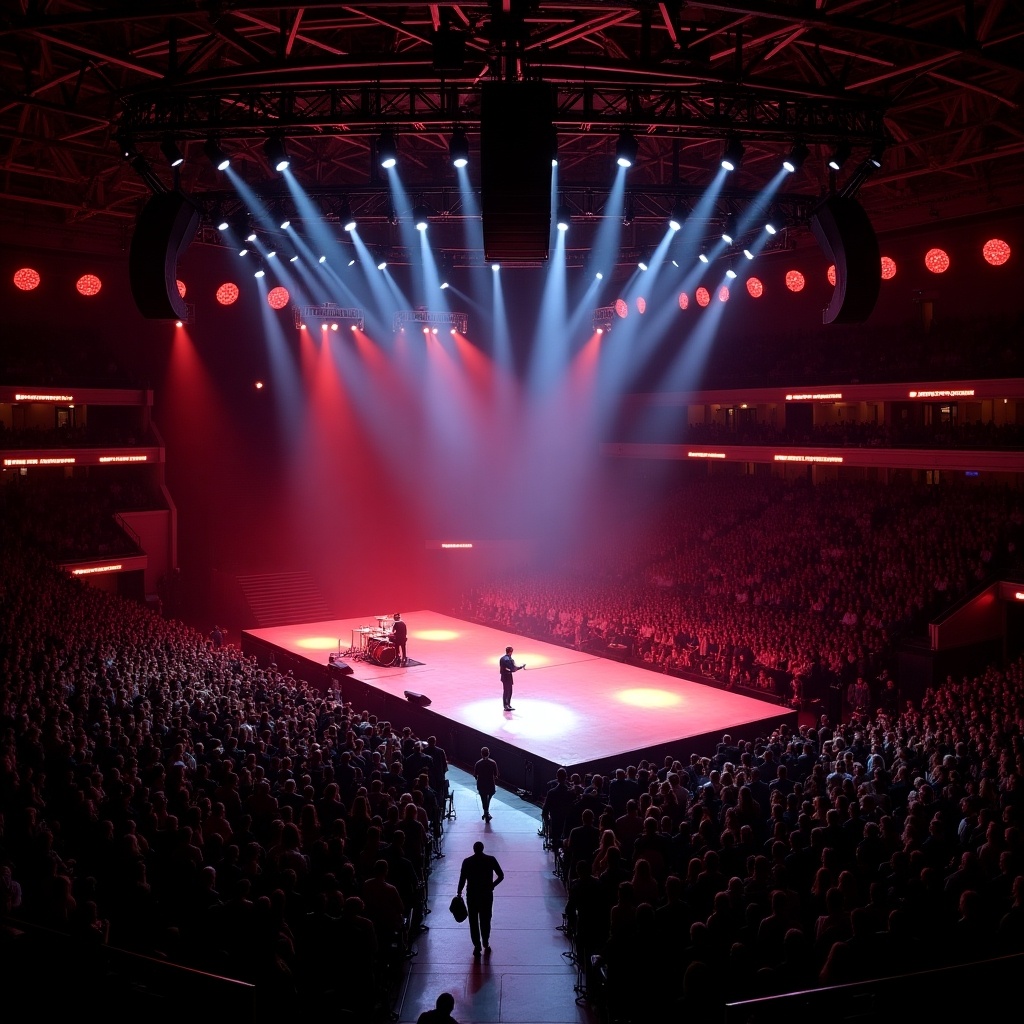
<point>571,708</point>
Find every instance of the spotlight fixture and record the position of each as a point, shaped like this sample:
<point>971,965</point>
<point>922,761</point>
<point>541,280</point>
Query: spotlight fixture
<point>626,148</point>
<point>222,222</point>
<point>322,259</point>
<point>126,145</point>
<point>749,255</point>
<point>420,214</point>
<point>839,156</point>
<point>382,264</point>
<point>169,148</point>
<point>495,267</point>
<point>277,155</point>
<point>271,254</point>
<point>243,251</point>
<point>294,258</point>
<point>774,224</point>
<point>797,156</point>
<point>731,274</point>
<point>250,235</point>
<point>392,216</point>
<point>703,257</point>
<point>345,215</point>
<point>563,217</point>
<point>286,221</point>
<point>260,270</point>
<point>444,270</point>
<point>643,263</point>
<point>628,212</point>
<point>387,149</point>
<point>215,154</point>
<point>677,218</point>
<point>599,275</point>
<point>458,148</point>
<point>728,231</point>
<point>875,156</point>
<point>733,155</point>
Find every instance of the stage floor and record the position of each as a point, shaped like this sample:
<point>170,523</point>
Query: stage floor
<point>570,707</point>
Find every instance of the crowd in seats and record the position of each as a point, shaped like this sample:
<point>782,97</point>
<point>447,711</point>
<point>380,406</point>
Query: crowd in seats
<point>982,436</point>
<point>822,856</point>
<point>87,436</point>
<point>180,801</point>
<point>782,587</point>
<point>73,518</point>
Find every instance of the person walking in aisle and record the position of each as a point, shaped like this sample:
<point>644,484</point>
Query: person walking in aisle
<point>486,773</point>
<point>481,874</point>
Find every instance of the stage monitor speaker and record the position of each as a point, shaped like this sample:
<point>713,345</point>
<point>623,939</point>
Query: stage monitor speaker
<point>164,230</point>
<point>337,667</point>
<point>517,143</point>
<point>847,238</point>
<point>417,698</point>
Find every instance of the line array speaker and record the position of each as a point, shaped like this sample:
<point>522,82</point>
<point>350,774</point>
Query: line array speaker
<point>516,148</point>
<point>164,230</point>
<point>846,237</point>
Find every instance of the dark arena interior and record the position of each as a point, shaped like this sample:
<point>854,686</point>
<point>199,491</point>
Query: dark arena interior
<point>676,348</point>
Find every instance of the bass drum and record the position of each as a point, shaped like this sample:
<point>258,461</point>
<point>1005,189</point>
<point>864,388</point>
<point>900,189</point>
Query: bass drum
<point>382,651</point>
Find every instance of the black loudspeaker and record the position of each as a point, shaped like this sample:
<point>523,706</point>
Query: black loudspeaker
<point>337,667</point>
<point>517,143</point>
<point>417,698</point>
<point>165,228</point>
<point>847,238</point>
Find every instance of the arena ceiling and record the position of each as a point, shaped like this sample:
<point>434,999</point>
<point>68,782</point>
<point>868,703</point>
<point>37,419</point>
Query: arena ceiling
<point>939,82</point>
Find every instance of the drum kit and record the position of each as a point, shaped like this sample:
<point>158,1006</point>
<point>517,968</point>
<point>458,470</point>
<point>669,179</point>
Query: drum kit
<point>373,643</point>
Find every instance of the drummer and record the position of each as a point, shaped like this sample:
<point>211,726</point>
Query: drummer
<point>398,636</point>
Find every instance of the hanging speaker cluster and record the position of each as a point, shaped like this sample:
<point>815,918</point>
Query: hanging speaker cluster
<point>516,149</point>
<point>165,229</point>
<point>846,237</point>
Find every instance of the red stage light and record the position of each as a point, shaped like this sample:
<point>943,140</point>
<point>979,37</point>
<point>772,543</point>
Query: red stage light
<point>723,294</point>
<point>26,279</point>
<point>888,268</point>
<point>227,293</point>
<point>179,323</point>
<point>703,297</point>
<point>795,281</point>
<point>684,300</point>
<point>89,285</point>
<point>278,297</point>
<point>641,304</point>
<point>995,251</point>
<point>937,261</point>
<point>621,308</point>
<point>258,385</point>
<point>754,287</point>
<point>832,275</point>
<point>181,288</point>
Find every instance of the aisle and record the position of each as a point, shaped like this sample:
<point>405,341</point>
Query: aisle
<point>525,979</point>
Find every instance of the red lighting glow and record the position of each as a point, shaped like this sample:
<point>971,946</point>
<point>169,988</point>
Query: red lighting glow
<point>723,294</point>
<point>258,385</point>
<point>705,455</point>
<point>702,295</point>
<point>641,304</point>
<point>995,251</point>
<point>621,308</point>
<point>888,268</point>
<point>795,281</point>
<point>227,293</point>
<point>684,300</point>
<point>278,297</point>
<point>179,323</point>
<point>831,275</point>
<point>181,288</point>
<point>93,570</point>
<point>26,279</point>
<point>937,261</point>
<point>89,285</point>
<point>754,287</point>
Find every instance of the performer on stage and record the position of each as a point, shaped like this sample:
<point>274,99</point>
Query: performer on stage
<point>398,636</point>
<point>507,666</point>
